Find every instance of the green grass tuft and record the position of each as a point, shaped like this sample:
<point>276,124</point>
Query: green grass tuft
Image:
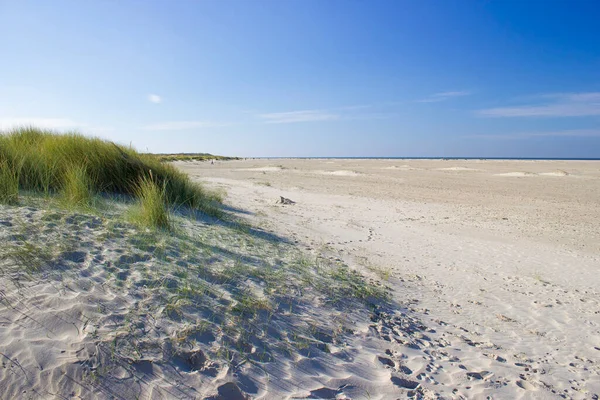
<point>9,184</point>
<point>50,163</point>
<point>152,210</point>
<point>78,187</point>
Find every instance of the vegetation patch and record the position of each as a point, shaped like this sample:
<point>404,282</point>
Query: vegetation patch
<point>152,208</point>
<point>9,184</point>
<point>193,157</point>
<point>78,166</point>
<point>78,187</point>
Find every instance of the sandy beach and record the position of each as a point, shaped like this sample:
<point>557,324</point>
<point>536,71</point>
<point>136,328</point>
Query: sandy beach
<point>374,279</point>
<point>215,200</point>
<point>498,260</point>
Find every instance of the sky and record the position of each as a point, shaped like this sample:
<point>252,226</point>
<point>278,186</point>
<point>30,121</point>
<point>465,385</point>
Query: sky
<point>309,78</point>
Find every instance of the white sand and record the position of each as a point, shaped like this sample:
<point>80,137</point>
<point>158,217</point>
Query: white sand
<point>518,173</point>
<point>339,173</point>
<point>494,281</point>
<point>128,314</point>
<point>457,169</point>
<point>503,273</point>
<point>402,167</point>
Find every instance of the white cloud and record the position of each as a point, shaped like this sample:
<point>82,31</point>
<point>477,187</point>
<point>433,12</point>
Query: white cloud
<point>526,135</point>
<point>182,125</point>
<point>298,116</point>
<point>443,96</point>
<point>563,105</point>
<point>43,123</point>
<point>154,98</point>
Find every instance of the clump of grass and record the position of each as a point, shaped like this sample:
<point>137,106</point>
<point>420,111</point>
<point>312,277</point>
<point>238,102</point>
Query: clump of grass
<point>152,210</point>
<point>9,184</point>
<point>45,161</point>
<point>78,187</point>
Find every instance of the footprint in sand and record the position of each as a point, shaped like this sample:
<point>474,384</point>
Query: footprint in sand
<point>526,385</point>
<point>404,383</point>
<point>425,377</point>
<point>389,363</point>
<point>433,368</point>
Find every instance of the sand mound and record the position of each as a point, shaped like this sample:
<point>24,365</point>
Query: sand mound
<point>263,169</point>
<point>518,173</point>
<point>457,169</point>
<point>555,173</point>
<point>404,167</point>
<point>340,173</point>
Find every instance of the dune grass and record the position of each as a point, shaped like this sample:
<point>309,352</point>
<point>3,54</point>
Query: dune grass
<point>9,184</point>
<point>193,157</point>
<point>78,187</point>
<point>152,209</point>
<point>77,167</point>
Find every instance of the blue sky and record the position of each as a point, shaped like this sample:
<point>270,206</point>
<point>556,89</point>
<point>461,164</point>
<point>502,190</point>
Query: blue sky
<point>309,77</point>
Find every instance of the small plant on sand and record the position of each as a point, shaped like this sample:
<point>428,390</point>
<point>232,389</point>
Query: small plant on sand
<point>248,305</point>
<point>152,210</point>
<point>9,184</point>
<point>26,257</point>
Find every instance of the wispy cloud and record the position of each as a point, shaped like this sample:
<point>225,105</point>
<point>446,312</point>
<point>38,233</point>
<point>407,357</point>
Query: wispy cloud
<point>44,123</point>
<point>299,116</point>
<point>183,125</point>
<point>556,105</point>
<point>584,133</point>
<point>443,96</point>
<point>154,98</point>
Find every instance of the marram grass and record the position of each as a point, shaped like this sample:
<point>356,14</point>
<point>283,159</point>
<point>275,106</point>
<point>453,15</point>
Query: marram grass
<point>78,187</point>
<point>77,167</point>
<point>9,184</point>
<point>152,209</point>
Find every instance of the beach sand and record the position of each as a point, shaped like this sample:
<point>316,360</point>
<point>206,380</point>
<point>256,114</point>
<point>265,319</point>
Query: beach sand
<point>491,270</point>
<point>499,261</point>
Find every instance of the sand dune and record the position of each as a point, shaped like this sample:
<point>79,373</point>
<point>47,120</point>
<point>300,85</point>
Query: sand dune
<point>555,173</point>
<point>262,169</point>
<point>517,173</point>
<point>340,173</point>
<point>531,174</point>
<point>457,169</point>
<point>402,167</point>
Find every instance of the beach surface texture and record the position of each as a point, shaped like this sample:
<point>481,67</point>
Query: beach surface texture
<point>321,279</point>
<point>497,260</point>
